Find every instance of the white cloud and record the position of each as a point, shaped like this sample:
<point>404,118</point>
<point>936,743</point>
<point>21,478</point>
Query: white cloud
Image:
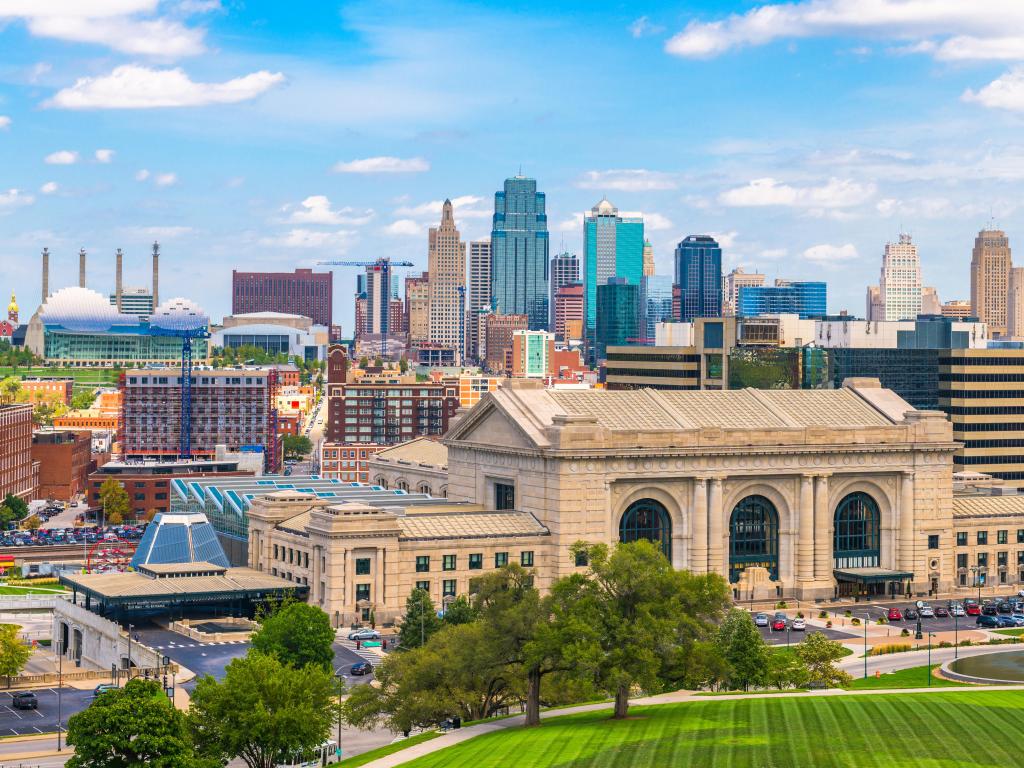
<point>836,193</point>
<point>573,224</point>
<point>14,198</point>
<point>971,48</point>
<point>135,87</point>
<point>463,206</point>
<point>725,239</point>
<point>49,188</point>
<point>642,27</point>
<point>159,38</point>
<point>165,179</point>
<point>61,157</point>
<point>826,254</point>
<point>141,175</point>
<point>309,238</point>
<point>104,155</point>
<point>1005,92</point>
<point>405,228</point>
<point>383,164</point>
<point>652,221</point>
<point>316,209</point>
<point>5,121</point>
<point>627,180</point>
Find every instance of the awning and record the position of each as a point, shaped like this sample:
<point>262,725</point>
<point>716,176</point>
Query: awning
<point>871,575</point>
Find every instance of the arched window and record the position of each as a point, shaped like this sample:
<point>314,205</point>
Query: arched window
<point>423,488</point>
<point>402,485</point>
<point>753,537</point>
<point>855,544</point>
<point>647,519</point>
<point>381,481</point>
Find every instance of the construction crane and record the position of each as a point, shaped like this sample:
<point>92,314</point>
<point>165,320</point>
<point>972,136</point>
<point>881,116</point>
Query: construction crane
<point>384,265</point>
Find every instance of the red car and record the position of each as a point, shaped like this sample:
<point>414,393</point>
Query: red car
<point>973,609</point>
<point>778,625</point>
<point>895,614</point>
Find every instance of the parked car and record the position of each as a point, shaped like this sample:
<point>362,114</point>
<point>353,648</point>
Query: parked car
<point>798,625</point>
<point>778,625</point>
<point>972,609</point>
<point>761,620</point>
<point>364,634</point>
<point>943,613</point>
<point>989,609</point>
<point>910,614</point>
<point>1017,619</point>
<point>927,612</point>
<point>103,688</point>
<point>895,614</point>
<point>24,700</point>
<point>1006,622</point>
<point>361,668</point>
<point>988,622</point>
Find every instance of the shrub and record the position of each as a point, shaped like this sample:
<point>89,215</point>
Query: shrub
<point>849,613</point>
<point>882,621</point>
<point>780,605</point>
<point>965,642</point>
<point>885,650</point>
<point>855,622</point>
<point>945,644</point>
<point>822,614</point>
<point>828,624</point>
<point>905,633</point>
<point>799,614</point>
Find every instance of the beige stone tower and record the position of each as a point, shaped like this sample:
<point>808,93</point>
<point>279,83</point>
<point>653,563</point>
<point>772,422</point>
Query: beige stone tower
<point>446,265</point>
<point>1015,304</point>
<point>990,280</point>
<point>648,255</point>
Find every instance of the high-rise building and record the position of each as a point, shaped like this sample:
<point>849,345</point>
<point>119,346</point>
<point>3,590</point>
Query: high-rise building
<point>383,414</point>
<point>417,308</point>
<point>519,252</point>
<point>1015,304</point>
<point>655,304</point>
<point>302,292</point>
<point>565,270</point>
<point>648,259</point>
<point>498,330</point>
<point>806,299</point>
<point>930,303</point>
<point>899,285</point>
<point>568,309</point>
<point>957,309</point>
<point>698,273</point>
<point>530,350</point>
<point>991,261</point>
<point>617,314</point>
<point>377,317</point>
<point>612,247</point>
<point>478,293</point>
<point>19,473</point>
<point>446,265</point>
<point>731,285</point>
<point>134,301</point>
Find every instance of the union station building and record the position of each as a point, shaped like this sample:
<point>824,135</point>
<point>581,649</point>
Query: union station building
<point>807,494</point>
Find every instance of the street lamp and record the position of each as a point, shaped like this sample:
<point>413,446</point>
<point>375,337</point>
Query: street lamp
<point>60,688</point>
<point>867,617</point>
<point>130,628</point>
<point>956,635</point>
<point>930,636</point>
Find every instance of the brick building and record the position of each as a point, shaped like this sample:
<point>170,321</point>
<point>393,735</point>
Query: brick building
<point>348,463</point>
<point>65,458</point>
<point>39,389</point>
<point>498,330</point>
<point>568,307</point>
<point>19,473</point>
<point>302,292</point>
<point>384,414</point>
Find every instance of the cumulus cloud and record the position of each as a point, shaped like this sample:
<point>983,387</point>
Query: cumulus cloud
<point>165,179</point>
<point>404,228</point>
<point>311,238</point>
<point>159,38</point>
<point>14,198</point>
<point>643,27</point>
<point>5,122</point>
<point>725,239</point>
<point>826,254</point>
<point>131,86</point>
<point>383,164</point>
<point>49,188</point>
<point>316,209</point>
<point>652,221</point>
<point>61,157</point>
<point>572,224</point>
<point>627,180</point>
<point>1005,92</point>
<point>463,207</point>
<point>104,155</point>
<point>836,193</point>
<point>141,175</point>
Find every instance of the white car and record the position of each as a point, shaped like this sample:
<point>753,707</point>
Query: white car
<point>957,610</point>
<point>927,612</point>
<point>798,625</point>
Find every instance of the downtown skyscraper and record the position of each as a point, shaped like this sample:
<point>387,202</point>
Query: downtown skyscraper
<point>519,252</point>
<point>698,274</point>
<point>446,266</point>
<point>991,263</point>
<point>613,246</point>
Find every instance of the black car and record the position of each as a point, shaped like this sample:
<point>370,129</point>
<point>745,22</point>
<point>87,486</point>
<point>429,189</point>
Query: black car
<point>910,614</point>
<point>988,622</point>
<point>361,668</point>
<point>1004,607</point>
<point>989,609</point>
<point>24,700</point>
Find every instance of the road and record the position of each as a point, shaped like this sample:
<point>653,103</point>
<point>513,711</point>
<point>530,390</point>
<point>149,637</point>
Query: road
<point>896,661</point>
<point>18,722</point>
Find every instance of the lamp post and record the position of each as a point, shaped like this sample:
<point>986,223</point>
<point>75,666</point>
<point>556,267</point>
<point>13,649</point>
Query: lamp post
<point>930,636</point>
<point>956,635</point>
<point>867,617</point>
<point>130,628</point>
<point>60,688</point>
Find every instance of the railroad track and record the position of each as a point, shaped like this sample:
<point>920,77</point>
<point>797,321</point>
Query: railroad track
<point>38,554</point>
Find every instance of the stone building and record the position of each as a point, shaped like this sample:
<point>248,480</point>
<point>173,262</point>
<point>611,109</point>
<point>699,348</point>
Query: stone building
<point>420,466</point>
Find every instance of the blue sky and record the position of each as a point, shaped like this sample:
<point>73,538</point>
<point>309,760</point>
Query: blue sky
<point>262,135</point>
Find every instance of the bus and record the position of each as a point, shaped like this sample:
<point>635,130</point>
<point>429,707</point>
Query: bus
<point>325,754</point>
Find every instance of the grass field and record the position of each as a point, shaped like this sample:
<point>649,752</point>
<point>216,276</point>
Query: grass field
<point>85,378</point>
<point>914,677</point>
<point>53,589</point>
<point>939,730</point>
<point>387,749</point>
<point>1011,632</point>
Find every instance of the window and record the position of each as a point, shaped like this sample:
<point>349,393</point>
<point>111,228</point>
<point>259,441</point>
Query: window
<point>448,588</point>
<point>753,537</point>
<point>362,566</point>
<point>424,585</point>
<point>362,592</point>
<point>856,538</point>
<point>504,496</point>
<point>275,551</point>
<point>1001,537</point>
<point>961,560</point>
<point>448,563</point>
<point>422,563</point>
<point>961,538</point>
<point>500,559</point>
<point>140,497</point>
<point>581,559</point>
<point>1020,535</point>
<point>933,541</point>
<point>526,559</point>
<point>982,538</point>
<point>982,559</point>
<point>476,561</point>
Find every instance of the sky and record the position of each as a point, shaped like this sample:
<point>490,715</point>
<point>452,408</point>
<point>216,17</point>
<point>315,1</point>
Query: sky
<point>260,135</point>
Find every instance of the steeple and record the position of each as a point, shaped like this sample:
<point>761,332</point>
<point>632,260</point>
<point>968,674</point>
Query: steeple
<point>12,309</point>
<point>446,213</point>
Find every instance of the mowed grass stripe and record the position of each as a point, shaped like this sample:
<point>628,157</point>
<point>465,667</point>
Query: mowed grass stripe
<point>937,730</point>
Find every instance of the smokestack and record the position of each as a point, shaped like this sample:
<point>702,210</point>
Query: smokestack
<point>156,275</point>
<point>117,280</point>
<point>46,274</point>
<point>81,268</point>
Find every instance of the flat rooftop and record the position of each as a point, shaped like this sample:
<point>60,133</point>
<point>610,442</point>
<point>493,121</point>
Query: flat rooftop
<point>119,587</point>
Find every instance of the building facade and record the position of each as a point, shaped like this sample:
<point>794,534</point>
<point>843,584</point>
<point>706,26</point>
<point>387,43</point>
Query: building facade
<point>519,252</point>
<point>478,294</point>
<point>417,308</point>
<point>134,301</point>
<point>731,284</point>
<point>698,273</point>
<point>569,311</point>
<point>385,414</point>
<point>899,286</point>
<point>446,265</point>
<point>1015,304</point>
<point>565,270</point>
<point>64,458</point>
<point>497,333</point>
<point>19,472</point>
<point>530,353</point>
<point>806,299</point>
<point>348,463</point>
<point>618,314</point>
<point>302,292</point>
<point>613,246</point>
<point>991,261</point>
<point>655,305</point>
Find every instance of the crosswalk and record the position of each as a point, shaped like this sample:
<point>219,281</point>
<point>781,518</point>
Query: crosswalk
<point>364,653</point>
<point>171,646</point>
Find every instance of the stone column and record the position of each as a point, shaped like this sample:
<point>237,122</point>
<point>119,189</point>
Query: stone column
<point>318,595</point>
<point>699,526</point>
<point>678,551</point>
<point>378,600</point>
<point>907,524</point>
<point>717,556</point>
<point>822,530</point>
<point>805,531</point>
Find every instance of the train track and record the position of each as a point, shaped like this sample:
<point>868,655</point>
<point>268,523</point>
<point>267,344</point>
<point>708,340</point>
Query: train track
<point>49,553</point>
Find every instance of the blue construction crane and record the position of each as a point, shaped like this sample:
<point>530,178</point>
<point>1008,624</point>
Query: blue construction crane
<point>384,264</point>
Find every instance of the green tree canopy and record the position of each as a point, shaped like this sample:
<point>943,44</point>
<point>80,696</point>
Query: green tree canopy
<point>459,611</point>
<point>263,710</point>
<point>10,386</point>
<point>420,620</point>
<point>743,649</point>
<point>14,653</point>
<point>297,446</point>
<point>297,634</point>
<point>114,500</point>
<point>132,727</point>
<point>83,400</point>
<point>17,505</point>
<point>820,655</point>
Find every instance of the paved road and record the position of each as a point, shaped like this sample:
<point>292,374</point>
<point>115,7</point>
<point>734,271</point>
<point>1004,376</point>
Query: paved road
<point>788,637</point>
<point>896,661</point>
<point>18,722</point>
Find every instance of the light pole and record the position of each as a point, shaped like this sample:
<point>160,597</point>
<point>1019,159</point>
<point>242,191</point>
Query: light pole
<point>930,636</point>
<point>956,635</point>
<point>60,688</point>
<point>867,617</point>
<point>130,628</point>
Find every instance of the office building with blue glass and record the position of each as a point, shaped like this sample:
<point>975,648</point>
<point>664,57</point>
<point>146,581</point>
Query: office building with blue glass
<point>519,252</point>
<point>698,273</point>
<point>618,315</point>
<point>806,299</point>
<point>613,246</point>
<point>655,305</point>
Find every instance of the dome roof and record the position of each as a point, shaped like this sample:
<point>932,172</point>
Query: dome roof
<point>80,309</point>
<point>604,208</point>
<point>179,315</point>
<point>13,306</point>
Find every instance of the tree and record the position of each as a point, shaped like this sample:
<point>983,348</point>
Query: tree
<point>364,362</point>
<point>420,620</point>
<point>459,611</point>
<point>819,654</point>
<point>403,364</point>
<point>297,446</point>
<point>83,400</point>
<point>132,726</point>
<point>17,505</point>
<point>263,710</point>
<point>14,654</point>
<point>785,670</point>
<point>33,523</point>
<point>647,616</point>
<point>46,408</point>
<point>114,500</point>
<point>10,387</point>
<point>743,649</point>
<point>298,634</point>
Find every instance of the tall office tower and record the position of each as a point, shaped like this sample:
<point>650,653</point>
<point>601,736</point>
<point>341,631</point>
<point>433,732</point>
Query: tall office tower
<point>446,264</point>
<point>618,316</point>
<point>519,252</point>
<point>655,305</point>
<point>648,259</point>
<point>302,292</point>
<point>899,285</point>
<point>1015,304</point>
<point>990,279</point>
<point>417,312</point>
<point>731,285</point>
<point>478,293</point>
<point>698,274</point>
<point>565,270</point>
<point>376,319</point>
<point>874,307</point>
<point>569,311</point>
<point>804,298</point>
<point>134,301</point>
<point>612,247</point>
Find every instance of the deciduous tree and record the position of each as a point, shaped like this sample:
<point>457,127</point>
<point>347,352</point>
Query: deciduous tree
<point>420,621</point>
<point>743,649</point>
<point>820,654</point>
<point>114,500</point>
<point>14,653</point>
<point>297,634</point>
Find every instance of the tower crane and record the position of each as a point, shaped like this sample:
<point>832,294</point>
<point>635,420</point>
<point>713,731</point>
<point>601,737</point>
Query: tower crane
<point>384,265</point>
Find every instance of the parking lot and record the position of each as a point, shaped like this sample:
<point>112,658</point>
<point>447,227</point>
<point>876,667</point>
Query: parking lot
<point>19,722</point>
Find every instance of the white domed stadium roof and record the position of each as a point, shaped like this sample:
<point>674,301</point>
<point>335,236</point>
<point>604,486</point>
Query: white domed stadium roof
<point>80,309</point>
<point>179,315</point>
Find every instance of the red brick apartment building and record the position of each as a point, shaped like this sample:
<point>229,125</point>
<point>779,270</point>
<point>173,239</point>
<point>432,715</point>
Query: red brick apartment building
<point>38,389</point>
<point>302,292</point>
<point>19,473</point>
<point>65,458</point>
<point>347,463</point>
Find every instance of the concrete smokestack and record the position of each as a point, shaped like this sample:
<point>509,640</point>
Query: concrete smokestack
<point>46,274</point>
<point>156,275</point>
<point>81,268</point>
<point>119,257</point>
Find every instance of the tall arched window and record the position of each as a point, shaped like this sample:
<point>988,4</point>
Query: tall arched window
<point>855,544</point>
<point>647,519</point>
<point>753,537</point>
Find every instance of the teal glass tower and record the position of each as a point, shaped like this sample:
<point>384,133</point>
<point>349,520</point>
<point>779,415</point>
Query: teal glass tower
<point>519,252</point>
<point>617,314</point>
<point>612,247</point>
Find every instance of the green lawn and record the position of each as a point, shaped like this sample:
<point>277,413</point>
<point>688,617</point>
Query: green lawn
<point>1011,632</point>
<point>49,590</point>
<point>85,378</point>
<point>387,749</point>
<point>932,730</point>
<point>914,677</point>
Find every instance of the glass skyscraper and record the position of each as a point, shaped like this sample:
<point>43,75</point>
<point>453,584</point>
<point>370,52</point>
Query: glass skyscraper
<point>617,313</point>
<point>655,304</point>
<point>612,247</point>
<point>699,277</point>
<point>519,252</point>
<point>807,299</point>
